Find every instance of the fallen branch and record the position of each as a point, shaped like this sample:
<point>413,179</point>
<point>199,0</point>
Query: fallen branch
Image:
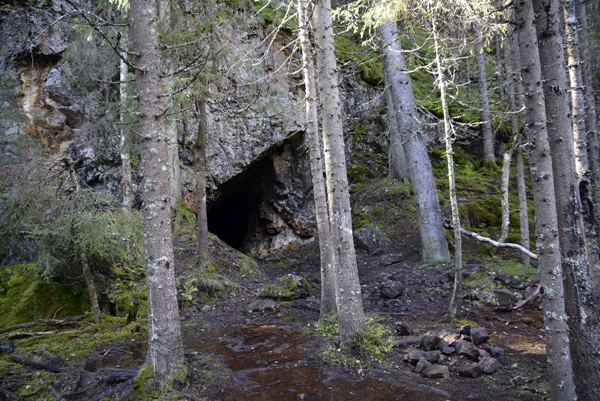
<point>495,243</point>
<point>43,322</point>
<point>34,362</point>
<point>23,334</point>
<point>53,390</point>
<point>9,394</point>
<point>528,299</point>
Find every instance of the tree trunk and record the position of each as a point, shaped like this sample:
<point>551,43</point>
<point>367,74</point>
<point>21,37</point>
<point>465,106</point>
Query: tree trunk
<point>579,132</point>
<point>328,280</point>
<point>433,239</point>
<point>499,68</point>
<point>448,135</point>
<point>165,24</point>
<point>165,348</point>
<point>398,165</point>
<point>515,99</point>
<point>560,374</point>
<point>125,159</point>
<point>351,317</point>
<point>591,125</point>
<point>89,282</point>
<point>580,305</point>
<point>504,187</point>
<point>484,103</point>
<point>200,160</point>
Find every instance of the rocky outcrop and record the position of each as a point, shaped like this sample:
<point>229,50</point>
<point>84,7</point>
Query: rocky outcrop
<point>255,122</point>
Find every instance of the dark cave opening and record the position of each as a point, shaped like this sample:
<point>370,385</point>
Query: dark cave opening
<point>230,220</point>
<point>236,215</point>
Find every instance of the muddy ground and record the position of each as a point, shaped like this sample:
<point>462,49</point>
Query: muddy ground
<point>235,351</point>
<point>271,355</point>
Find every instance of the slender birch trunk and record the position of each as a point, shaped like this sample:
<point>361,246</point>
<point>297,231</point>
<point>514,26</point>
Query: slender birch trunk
<point>591,125</point>
<point>560,369</point>
<point>579,132</point>
<point>580,300</point>
<point>351,317</point>
<point>165,347</point>
<point>125,158</point>
<point>506,159</point>
<point>448,138</point>
<point>433,238</point>
<point>201,172</point>
<point>515,99</point>
<point>328,280</point>
<point>484,102</point>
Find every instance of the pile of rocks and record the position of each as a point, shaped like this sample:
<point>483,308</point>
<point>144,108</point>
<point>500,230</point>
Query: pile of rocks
<point>464,351</point>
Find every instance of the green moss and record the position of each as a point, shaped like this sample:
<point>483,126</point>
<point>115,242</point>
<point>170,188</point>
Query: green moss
<point>375,343</point>
<point>289,286</point>
<point>142,379</point>
<point>25,298</point>
<point>184,221</point>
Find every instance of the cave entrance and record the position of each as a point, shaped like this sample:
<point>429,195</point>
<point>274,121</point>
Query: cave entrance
<point>235,215</point>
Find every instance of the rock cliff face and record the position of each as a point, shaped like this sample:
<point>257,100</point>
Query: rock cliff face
<point>260,190</point>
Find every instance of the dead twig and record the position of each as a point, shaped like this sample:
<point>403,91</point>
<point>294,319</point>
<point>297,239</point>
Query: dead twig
<point>43,322</point>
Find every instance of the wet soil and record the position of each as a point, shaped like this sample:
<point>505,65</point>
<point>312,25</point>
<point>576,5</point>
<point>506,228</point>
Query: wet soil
<point>272,355</point>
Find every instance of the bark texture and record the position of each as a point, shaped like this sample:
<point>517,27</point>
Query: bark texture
<point>165,347</point>
<point>591,125</point>
<point>125,158</point>
<point>328,282</point>
<point>448,138</point>
<point>484,102</point>
<point>579,300</point>
<point>580,136</point>
<point>560,374</point>
<point>515,100</point>
<point>351,317</point>
<point>398,164</point>
<point>200,161</point>
<point>433,239</point>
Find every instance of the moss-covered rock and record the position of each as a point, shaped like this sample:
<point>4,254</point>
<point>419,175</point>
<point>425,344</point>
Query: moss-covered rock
<point>290,286</point>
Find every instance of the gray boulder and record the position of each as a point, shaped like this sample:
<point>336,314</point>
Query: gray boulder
<point>370,239</point>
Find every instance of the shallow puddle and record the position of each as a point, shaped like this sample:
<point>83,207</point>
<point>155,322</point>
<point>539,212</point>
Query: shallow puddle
<point>270,360</point>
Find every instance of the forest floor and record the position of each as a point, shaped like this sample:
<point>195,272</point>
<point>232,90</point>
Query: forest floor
<point>240,347</point>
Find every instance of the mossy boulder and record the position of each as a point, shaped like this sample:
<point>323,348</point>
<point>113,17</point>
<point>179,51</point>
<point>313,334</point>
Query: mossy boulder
<point>290,286</point>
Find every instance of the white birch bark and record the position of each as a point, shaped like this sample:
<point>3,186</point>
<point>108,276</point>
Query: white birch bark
<point>328,281</point>
<point>591,125</point>
<point>125,157</point>
<point>484,102</point>
<point>351,317</point>
<point>448,138</point>
<point>579,132</point>
<point>515,99</point>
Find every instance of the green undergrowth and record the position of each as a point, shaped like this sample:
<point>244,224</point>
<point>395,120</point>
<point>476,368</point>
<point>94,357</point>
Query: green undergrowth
<point>24,297</point>
<point>483,279</point>
<point>203,283</point>
<point>375,344</point>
